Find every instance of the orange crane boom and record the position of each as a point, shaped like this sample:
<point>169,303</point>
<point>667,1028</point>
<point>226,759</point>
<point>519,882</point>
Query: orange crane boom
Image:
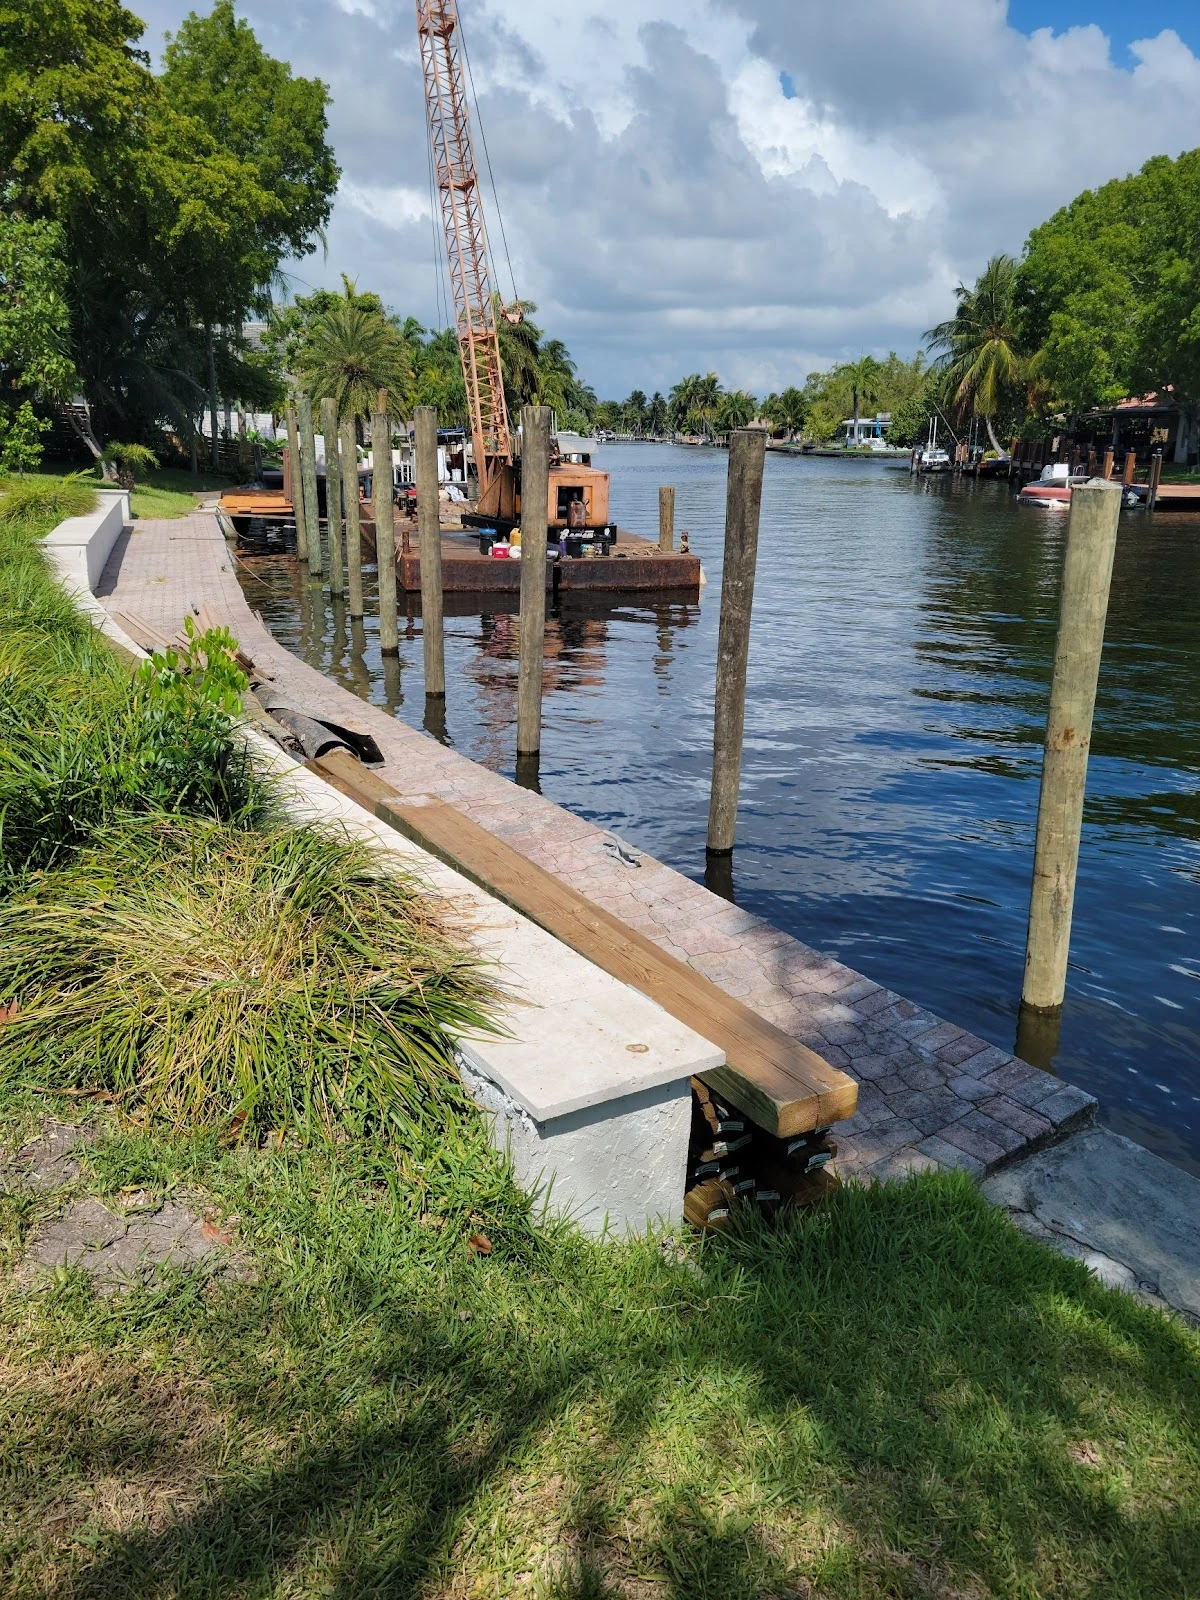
<point>466,235</point>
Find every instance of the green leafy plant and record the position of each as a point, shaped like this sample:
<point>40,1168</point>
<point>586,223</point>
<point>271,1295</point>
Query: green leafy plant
<point>21,432</point>
<point>214,975</point>
<point>130,461</point>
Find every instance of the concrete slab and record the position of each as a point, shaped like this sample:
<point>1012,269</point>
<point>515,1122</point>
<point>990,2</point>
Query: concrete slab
<point>1133,1218</point>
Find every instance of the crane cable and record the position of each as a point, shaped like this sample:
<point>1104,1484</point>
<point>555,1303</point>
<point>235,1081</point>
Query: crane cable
<point>487,158</point>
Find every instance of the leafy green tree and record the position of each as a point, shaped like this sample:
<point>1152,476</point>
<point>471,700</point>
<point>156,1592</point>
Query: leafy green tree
<point>175,203</point>
<point>35,318</point>
<point>981,363</point>
<point>693,402</point>
<point>863,376</point>
<point>21,432</point>
<point>633,412</point>
<point>1108,293</point>
<point>658,414</point>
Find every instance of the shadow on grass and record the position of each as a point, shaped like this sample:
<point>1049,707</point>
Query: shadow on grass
<point>899,1396</point>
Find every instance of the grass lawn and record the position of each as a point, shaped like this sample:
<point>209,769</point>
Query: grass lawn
<point>414,1387</point>
<point>897,1396</point>
<point>169,492</point>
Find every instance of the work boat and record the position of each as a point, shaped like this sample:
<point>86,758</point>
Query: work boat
<point>930,457</point>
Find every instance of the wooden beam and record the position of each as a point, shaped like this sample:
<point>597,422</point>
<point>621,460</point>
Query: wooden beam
<point>782,1085</point>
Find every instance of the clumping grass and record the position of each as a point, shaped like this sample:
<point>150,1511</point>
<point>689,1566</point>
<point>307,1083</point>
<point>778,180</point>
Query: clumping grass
<point>35,500</point>
<point>164,492</point>
<point>206,973</point>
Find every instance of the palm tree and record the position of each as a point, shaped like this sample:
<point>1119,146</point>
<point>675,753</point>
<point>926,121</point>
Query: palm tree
<point>788,411</point>
<point>352,351</point>
<point>863,377</point>
<point>735,410</point>
<point>982,364</point>
<point>657,414</point>
<point>634,412</point>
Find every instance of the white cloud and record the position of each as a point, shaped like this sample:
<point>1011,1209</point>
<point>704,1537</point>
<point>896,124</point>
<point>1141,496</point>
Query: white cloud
<point>670,207</point>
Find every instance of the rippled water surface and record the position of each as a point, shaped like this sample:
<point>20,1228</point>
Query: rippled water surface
<point>899,672</point>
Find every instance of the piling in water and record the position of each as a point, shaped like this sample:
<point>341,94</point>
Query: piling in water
<point>1083,607</point>
<point>535,491</point>
<point>666,520</point>
<point>349,453</point>
<point>296,484</point>
<point>308,474</point>
<point>385,531</point>
<point>333,495</point>
<point>743,503</point>
<point>429,534</point>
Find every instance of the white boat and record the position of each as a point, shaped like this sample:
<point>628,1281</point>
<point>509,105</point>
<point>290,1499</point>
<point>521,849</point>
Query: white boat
<point>930,457</point>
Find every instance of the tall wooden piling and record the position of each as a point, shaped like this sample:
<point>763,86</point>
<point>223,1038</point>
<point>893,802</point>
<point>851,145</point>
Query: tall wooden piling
<point>349,454</point>
<point>385,531</point>
<point>535,493</point>
<point>1130,467</point>
<point>1109,457</point>
<point>1083,607</point>
<point>296,484</point>
<point>743,503</point>
<point>666,520</point>
<point>308,476</point>
<point>1155,479</point>
<point>429,540</point>
<point>333,495</point>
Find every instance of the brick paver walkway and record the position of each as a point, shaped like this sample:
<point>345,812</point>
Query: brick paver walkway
<point>931,1094</point>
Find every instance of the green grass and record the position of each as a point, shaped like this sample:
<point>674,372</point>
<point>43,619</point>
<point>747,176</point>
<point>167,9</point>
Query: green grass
<point>169,492</point>
<point>897,1396</point>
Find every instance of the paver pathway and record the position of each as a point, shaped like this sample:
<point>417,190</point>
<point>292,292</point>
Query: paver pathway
<point>932,1094</point>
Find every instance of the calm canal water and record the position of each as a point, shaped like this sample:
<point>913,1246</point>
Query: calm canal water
<point>900,661</point>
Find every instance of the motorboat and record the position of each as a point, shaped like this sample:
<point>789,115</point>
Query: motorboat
<point>1052,490</point>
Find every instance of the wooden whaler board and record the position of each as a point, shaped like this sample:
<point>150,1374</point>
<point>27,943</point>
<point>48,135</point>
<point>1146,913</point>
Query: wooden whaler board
<point>782,1085</point>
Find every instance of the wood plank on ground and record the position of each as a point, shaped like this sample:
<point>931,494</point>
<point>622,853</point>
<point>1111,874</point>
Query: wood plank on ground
<point>780,1083</point>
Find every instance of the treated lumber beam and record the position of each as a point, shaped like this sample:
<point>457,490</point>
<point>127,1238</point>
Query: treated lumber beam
<point>778,1082</point>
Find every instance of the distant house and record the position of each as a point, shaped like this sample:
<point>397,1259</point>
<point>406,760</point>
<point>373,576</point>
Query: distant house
<point>875,427</point>
<point>1153,422</point>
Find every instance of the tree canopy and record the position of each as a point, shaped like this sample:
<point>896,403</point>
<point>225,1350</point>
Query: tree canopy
<point>1109,290</point>
<point>176,196</point>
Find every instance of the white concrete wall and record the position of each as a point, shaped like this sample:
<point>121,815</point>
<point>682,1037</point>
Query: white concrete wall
<point>78,550</point>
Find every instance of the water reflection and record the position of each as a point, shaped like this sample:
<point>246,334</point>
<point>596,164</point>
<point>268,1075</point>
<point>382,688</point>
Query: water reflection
<point>897,696</point>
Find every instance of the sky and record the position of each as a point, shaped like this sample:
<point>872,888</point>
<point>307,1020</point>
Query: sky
<point>755,187</point>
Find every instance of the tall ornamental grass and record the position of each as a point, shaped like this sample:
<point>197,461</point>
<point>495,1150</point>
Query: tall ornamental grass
<point>209,975</point>
<point>43,502</point>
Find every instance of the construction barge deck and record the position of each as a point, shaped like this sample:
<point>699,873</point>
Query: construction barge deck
<point>634,566</point>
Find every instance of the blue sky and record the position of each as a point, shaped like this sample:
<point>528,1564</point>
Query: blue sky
<point>1122,22</point>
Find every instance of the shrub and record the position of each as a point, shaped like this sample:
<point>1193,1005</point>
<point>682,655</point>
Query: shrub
<point>210,975</point>
<point>47,501</point>
<point>130,461</point>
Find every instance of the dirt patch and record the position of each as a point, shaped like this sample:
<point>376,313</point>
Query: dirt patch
<point>47,1162</point>
<point>118,1251</point>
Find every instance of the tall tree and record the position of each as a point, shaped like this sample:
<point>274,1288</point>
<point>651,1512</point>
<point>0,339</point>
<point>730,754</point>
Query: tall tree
<point>1108,293</point>
<point>352,351</point>
<point>980,360</point>
<point>863,377</point>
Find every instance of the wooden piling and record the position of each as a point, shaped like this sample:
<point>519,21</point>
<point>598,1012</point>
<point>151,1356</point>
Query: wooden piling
<point>429,540</point>
<point>333,495</point>
<point>296,484</point>
<point>1109,458</point>
<point>349,453</point>
<point>1155,478</point>
<point>743,503</point>
<point>1083,606</point>
<point>308,477</point>
<point>1130,467</point>
<point>666,520</point>
<point>385,531</point>
<point>535,492</point>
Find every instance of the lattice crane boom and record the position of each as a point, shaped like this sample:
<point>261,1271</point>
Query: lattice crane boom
<point>465,230</point>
